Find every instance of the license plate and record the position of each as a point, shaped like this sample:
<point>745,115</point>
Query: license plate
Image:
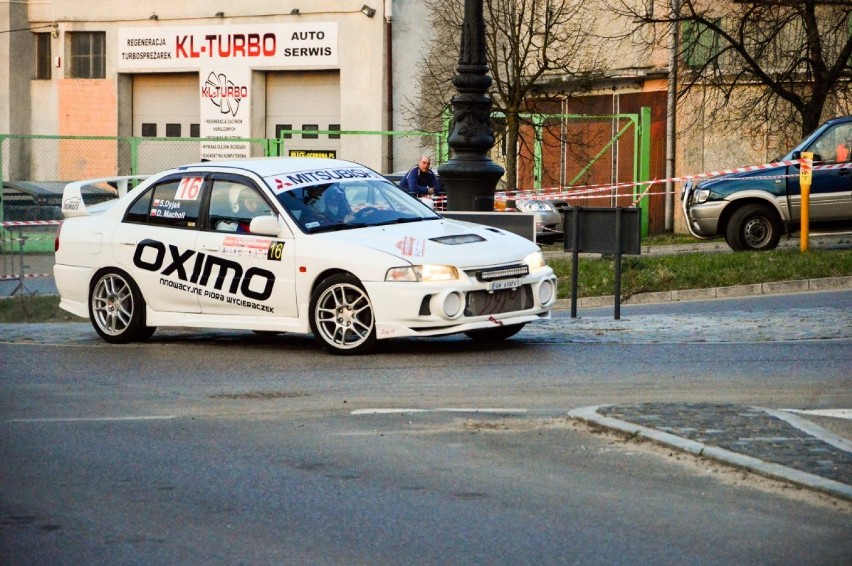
<point>504,284</point>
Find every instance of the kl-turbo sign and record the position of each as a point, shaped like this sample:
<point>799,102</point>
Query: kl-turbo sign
<point>251,46</point>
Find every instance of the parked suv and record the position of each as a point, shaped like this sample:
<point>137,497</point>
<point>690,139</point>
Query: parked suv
<point>752,209</point>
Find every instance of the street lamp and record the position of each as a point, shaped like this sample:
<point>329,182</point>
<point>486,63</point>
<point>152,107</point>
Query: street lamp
<point>470,177</point>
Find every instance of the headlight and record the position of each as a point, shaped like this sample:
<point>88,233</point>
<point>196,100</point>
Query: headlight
<point>425,273</point>
<point>700,195</point>
<point>535,261</point>
<point>534,206</point>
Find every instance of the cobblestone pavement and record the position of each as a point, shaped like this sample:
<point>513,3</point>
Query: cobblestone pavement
<point>774,443</point>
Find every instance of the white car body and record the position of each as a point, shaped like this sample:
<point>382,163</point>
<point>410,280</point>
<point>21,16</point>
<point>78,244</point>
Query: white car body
<point>114,257</point>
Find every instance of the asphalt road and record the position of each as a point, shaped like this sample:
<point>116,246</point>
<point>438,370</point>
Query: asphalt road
<point>229,448</point>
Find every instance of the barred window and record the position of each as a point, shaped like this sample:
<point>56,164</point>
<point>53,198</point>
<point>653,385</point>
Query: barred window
<point>310,128</point>
<point>87,55</point>
<point>42,56</point>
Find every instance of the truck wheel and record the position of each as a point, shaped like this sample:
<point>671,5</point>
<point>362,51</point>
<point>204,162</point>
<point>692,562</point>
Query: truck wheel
<point>753,227</point>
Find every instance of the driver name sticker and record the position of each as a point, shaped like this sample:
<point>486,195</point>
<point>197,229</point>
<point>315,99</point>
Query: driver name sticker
<point>411,246</point>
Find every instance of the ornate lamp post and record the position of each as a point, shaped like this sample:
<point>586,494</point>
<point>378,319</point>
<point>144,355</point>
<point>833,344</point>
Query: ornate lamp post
<point>470,176</point>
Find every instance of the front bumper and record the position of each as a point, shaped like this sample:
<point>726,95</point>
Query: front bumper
<point>702,220</point>
<point>424,309</point>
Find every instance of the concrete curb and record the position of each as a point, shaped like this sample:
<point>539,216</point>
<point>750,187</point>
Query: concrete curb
<point>768,469</point>
<point>773,288</point>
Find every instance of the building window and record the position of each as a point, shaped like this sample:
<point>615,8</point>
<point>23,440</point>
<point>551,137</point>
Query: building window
<point>283,128</point>
<point>310,128</point>
<point>42,56</point>
<point>149,130</point>
<point>195,130</point>
<point>87,55</point>
<point>700,44</point>
<point>334,128</point>
<point>172,130</point>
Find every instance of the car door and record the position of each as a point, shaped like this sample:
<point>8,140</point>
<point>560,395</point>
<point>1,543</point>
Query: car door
<point>244,274</point>
<point>155,243</point>
<point>831,185</point>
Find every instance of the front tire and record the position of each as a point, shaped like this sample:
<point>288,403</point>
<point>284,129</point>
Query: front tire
<point>117,309</point>
<point>753,227</point>
<point>342,317</point>
<point>496,334</point>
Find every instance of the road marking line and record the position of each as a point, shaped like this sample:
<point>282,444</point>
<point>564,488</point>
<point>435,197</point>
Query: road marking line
<point>836,413</point>
<point>92,419</point>
<point>439,410</point>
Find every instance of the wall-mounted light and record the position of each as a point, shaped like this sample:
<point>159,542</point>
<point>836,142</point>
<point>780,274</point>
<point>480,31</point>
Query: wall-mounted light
<point>154,17</point>
<point>220,14</point>
<point>294,12</point>
<point>367,11</point>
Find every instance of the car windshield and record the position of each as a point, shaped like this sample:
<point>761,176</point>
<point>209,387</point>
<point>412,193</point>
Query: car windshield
<point>352,204</point>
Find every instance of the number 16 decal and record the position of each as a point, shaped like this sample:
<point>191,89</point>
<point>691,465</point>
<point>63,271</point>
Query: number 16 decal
<point>276,251</point>
<point>189,188</point>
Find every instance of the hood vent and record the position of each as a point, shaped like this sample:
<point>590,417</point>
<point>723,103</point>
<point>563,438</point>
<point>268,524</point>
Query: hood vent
<point>460,239</point>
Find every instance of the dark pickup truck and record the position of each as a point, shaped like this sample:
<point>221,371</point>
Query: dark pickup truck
<point>752,209</point>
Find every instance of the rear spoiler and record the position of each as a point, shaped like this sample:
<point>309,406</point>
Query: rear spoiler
<point>72,196</point>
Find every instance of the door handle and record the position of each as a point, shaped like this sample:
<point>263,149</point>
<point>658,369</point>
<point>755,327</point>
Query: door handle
<point>210,247</point>
<point>843,172</point>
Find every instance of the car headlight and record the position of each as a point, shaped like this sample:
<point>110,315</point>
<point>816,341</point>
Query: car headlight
<point>700,195</point>
<point>535,261</point>
<point>426,273</point>
<point>534,206</point>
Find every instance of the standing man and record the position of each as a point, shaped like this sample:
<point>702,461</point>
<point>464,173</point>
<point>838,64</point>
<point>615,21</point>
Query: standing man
<point>421,181</point>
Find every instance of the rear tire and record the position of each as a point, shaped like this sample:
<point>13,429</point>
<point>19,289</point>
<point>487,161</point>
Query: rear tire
<point>117,309</point>
<point>496,334</point>
<point>753,227</point>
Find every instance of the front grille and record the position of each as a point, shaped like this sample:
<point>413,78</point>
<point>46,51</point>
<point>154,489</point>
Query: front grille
<point>502,272</point>
<point>483,302</point>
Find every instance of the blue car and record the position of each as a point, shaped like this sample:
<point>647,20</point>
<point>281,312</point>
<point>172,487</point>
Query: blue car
<point>752,209</point>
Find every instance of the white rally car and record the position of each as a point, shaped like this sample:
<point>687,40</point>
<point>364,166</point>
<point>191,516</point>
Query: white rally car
<point>316,246</point>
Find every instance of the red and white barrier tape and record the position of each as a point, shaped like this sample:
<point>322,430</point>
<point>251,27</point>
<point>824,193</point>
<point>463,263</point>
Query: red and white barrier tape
<point>580,190</point>
<point>30,223</point>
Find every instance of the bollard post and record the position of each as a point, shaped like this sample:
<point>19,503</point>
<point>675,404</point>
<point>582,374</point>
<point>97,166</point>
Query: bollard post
<point>805,176</point>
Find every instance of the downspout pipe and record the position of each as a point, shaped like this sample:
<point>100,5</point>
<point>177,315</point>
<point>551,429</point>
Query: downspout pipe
<point>389,165</point>
<point>671,114</point>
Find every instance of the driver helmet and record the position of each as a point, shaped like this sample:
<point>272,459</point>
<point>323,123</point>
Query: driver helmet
<point>336,204</point>
<point>238,196</point>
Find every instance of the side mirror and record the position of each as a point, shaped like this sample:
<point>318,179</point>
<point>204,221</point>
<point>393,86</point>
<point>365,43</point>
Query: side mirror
<point>265,226</point>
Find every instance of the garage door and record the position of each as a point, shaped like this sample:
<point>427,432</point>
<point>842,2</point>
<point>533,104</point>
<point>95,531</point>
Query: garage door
<point>166,106</point>
<point>307,100</point>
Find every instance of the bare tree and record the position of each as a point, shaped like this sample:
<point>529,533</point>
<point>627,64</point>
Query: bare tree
<point>753,60</point>
<point>528,42</point>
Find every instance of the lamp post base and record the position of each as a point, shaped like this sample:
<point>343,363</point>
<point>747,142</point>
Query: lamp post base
<point>470,183</point>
